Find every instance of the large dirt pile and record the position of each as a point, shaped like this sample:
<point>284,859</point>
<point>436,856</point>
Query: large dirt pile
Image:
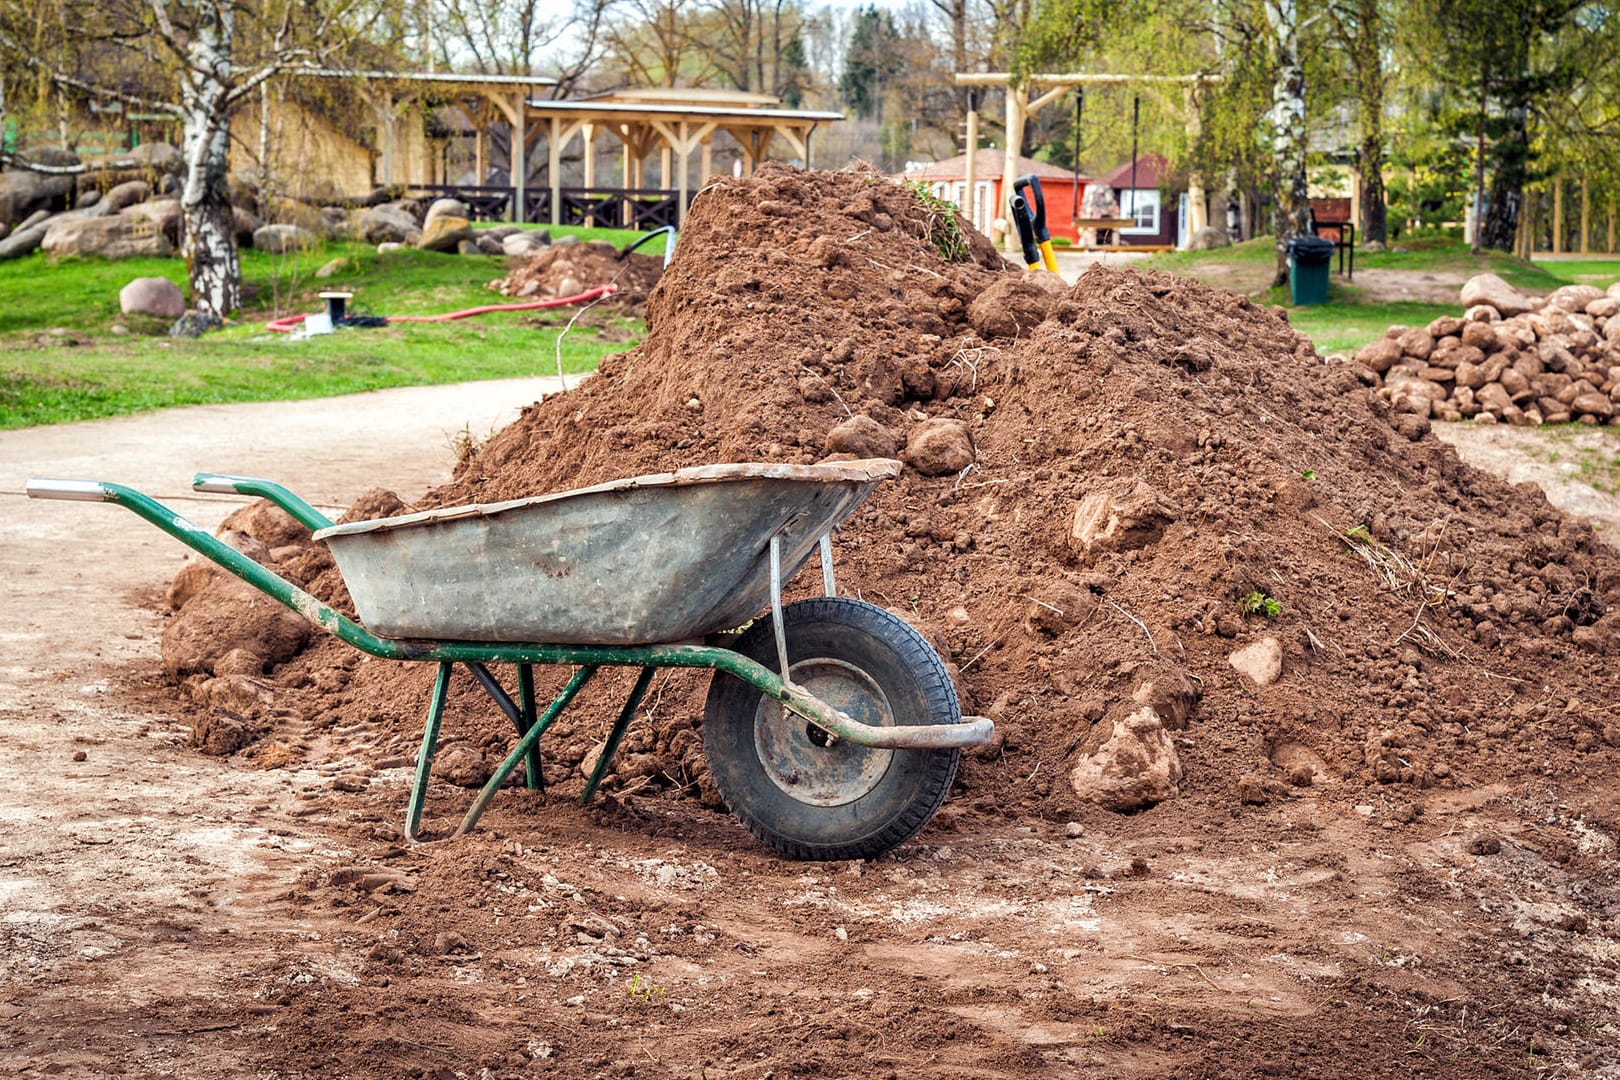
<point>1162,545</point>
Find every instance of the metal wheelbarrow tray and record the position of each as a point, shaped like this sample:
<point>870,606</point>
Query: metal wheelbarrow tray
<point>844,750</point>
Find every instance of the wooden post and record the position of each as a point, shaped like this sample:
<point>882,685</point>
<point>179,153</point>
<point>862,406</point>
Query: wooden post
<point>685,154</point>
<point>1017,100</point>
<point>969,170</point>
<point>1586,212</point>
<point>1558,216</point>
<point>554,167</point>
<point>520,157</point>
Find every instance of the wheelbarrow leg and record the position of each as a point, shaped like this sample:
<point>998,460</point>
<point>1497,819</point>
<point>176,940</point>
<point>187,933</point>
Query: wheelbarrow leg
<point>424,758</point>
<point>617,733</point>
<point>521,713</point>
<point>524,745</point>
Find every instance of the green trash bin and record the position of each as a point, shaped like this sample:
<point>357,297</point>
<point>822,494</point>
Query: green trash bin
<point>1310,258</point>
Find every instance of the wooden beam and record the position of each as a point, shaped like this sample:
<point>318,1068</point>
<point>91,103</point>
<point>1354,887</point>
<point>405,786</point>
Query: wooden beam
<point>969,178</point>
<point>520,158</point>
<point>1004,78</point>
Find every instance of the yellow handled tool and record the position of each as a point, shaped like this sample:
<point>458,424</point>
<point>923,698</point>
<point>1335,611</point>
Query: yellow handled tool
<point>1043,238</point>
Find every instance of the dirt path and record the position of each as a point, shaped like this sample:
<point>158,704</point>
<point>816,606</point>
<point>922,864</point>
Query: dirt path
<point>163,913</point>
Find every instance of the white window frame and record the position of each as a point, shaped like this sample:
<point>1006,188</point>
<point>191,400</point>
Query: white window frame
<point>1145,199</point>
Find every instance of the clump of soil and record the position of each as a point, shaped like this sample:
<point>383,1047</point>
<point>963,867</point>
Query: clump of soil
<point>1171,553</point>
<point>570,269</point>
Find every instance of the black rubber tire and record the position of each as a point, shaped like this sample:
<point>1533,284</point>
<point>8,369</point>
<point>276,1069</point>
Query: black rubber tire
<point>831,638</point>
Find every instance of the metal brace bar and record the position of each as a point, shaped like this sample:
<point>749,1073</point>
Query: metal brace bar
<point>499,695</point>
<point>521,750</point>
<point>533,778</point>
<point>612,746</point>
<point>776,606</point>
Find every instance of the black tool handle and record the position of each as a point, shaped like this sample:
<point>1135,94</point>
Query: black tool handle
<point>1026,230</point>
<point>1032,184</point>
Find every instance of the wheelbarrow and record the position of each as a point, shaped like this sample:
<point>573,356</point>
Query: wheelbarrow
<point>831,728</point>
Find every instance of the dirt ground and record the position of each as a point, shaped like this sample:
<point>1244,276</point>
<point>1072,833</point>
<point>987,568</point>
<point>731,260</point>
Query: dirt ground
<point>170,914</point>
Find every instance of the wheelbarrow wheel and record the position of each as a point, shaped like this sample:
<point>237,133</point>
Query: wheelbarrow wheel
<point>809,797</point>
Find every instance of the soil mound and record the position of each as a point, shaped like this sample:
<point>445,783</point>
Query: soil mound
<point>1164,546</point>
<point>570,269</point>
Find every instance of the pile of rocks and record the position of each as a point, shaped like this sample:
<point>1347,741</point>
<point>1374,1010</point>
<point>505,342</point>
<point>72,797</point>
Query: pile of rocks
<point>1510,358</point>
<point>445,226</point>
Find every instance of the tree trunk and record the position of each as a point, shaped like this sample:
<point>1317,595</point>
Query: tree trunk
<point>1476,241</point>
<point>1507,184</point>
<point>1370,68</point>
<point>1291,217</point>
<point>209,244</point>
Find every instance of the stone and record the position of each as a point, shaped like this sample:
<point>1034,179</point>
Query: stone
<point>1492,290</point>
<point>519,245</point>
<point>281,239</point>
<point>127,194</point>
<point>1261,661</point>
<point>1482,313</point>
<point>152,296</point>
<point>244,225</point>
<point>1481,336</point>
<point>88,199</point>
<point>1380,356</point>
<point>861,437</point>
<point>1470,375</point>
<point>194,324</point>
<point>939,447</point>
<point>389,223</point>
<point>1593,403</point>
<point>1121,517</point>
<point>109,237</point>
<point>440,208</point>
<point>1134,766</point>
<point>487,244</point>
<point>1417,343</point>
<point>445,234</point>
<point>192,579</point>
<point>23,192</point>
<point>1492,398</point>
<point>1574,297</point>
<point>335,266</point>
<point>1010,307</point>
<point>385,248</point>
<point>1445,326</point>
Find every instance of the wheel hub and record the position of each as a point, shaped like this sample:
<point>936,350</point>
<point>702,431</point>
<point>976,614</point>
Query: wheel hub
<point>802,759</point>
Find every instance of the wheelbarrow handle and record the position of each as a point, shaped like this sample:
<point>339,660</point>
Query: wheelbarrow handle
<point>224,484</point>
<point>68,490</point>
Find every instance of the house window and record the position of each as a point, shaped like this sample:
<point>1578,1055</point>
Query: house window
<point>1143,205</point>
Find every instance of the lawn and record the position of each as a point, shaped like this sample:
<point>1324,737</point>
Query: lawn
<point>71,355</point>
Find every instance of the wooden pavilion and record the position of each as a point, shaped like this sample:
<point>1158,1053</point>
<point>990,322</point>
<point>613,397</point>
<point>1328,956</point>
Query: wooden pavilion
<point>672,123</point>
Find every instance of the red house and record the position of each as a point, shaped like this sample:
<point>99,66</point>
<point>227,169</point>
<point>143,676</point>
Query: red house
<point>948,179</point>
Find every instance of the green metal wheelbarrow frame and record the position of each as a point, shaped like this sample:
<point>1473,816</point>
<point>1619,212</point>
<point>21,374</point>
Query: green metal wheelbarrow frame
<point>530,723</point>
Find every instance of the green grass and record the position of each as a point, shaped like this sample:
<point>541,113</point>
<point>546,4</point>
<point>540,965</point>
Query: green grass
<point>1602,271</point>
<point>64,360</point>
<point>1590,454</point>
<point>1345,327</point>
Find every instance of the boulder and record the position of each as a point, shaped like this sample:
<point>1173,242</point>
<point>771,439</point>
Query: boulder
<point>110,237</point>
<point>280,239</point>
<point>164,214</point>
<point>128,194</point>
<point>939,447</point>
<point>22,192</point>
<point>1445,326</point>
<point>152,296</point>
<point>244,225</point>
<point>445,233</point>
<point>23,241</point>
<point>158,156</point>
<point>487,244</point>
<point>522,244</point>
<point>1417,343</point>
<point>88,199</point>
<point>440,208</point>
<point>1492,290</point>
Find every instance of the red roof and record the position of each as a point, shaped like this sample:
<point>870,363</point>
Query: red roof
<point>1149,169</point>
<point>987,165</point>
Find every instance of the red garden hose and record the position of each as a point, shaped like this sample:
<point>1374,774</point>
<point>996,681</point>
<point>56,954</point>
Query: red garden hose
<point>284,325</point>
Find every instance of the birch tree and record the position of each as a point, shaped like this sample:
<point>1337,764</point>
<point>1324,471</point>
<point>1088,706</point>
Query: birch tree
<point>196,50</point>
